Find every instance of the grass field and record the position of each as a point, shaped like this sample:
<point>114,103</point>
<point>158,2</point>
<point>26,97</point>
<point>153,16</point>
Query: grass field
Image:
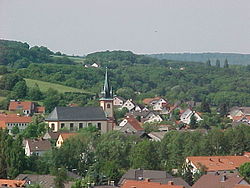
<point>44,86</point>
<point>75,59</point>
<point>2,98</point>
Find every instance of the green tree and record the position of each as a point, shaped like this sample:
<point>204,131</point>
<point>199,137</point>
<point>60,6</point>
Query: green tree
<point>20,89</point>
<point>205,107</point>
<point>61,178</point>
<point>193,122</point>
<point>208,63</point>
<point>15,130</point>
<point>217,64</point>
<point>244,171</point>
<point>226,65</point>
<point>145,155</point>
<point>35,93</point>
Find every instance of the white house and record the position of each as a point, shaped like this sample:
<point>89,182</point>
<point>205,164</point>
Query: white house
<point>129,104</point>
<point>118,101</point>
<point>187,114</point>
<point>36,146</point>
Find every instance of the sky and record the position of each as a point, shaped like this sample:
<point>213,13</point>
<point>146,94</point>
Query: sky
<point>80,27</point>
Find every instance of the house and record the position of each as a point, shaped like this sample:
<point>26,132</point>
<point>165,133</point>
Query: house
<point>36,147</point>
<point>130,124</point>
<point>185,116</point>
<point>118,101</point>
<point>51,135</point>
<point>26,107</point>
<point>217,163</point>
<point>157,136</point>
<point>11,120</point>
<point>239,111</point>
<point>12,183</point>
<point>160,105</point>
<point>151,101</point>
<point>153,176</point>
<point>45,181</point>
<point>148,184</point>
<point>244,119</point>
<point>219,180</point>
<point>94,65</point>
<point>75,118</point>
<point>62,137</point>
<point>152,117</point>
<point>129,104</point>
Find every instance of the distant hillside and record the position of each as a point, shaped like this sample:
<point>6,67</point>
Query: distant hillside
<point>233,58</point>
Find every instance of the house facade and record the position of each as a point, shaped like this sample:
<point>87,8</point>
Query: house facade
<point>75,118</point>
<point>187,114</point>
<point>9,121</point>
<point>118,101</point>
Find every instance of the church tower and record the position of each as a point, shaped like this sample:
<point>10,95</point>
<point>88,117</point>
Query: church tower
<point>106,100</point>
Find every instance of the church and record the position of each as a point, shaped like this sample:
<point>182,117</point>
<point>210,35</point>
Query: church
<point>75,118</point>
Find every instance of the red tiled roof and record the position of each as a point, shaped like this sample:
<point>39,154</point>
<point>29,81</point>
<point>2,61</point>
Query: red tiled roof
<point>147,184</point>
<point>12,183</point>
<point>218,163</point>
<point>241,186</point>
<point>16,105</point>
<point>40,109</point>
<point>135,123</point>
<point>67,135</point>
<point>2,125</point>
<point>14,118</point>
<point>148,100</point>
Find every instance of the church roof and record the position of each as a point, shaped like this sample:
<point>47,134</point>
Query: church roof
<point>107,90</point>
<point>88,113</point>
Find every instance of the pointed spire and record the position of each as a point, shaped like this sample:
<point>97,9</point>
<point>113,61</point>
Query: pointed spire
<point>107,90</point>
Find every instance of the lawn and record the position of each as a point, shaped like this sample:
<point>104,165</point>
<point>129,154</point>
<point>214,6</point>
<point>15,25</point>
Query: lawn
<point>2,98</point>
<point>44,86</point>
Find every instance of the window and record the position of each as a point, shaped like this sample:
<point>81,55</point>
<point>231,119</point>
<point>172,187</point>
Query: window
<point>108,105</point>
<point>89,124</point>
<point>62,125</point>
<point>53,126</point>
<point>71,126</point>
<point>80,125</point>
<point>99,126</point>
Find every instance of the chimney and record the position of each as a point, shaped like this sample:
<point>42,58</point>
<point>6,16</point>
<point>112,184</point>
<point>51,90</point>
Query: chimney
<point>170,183</point>
<point>223,178</point>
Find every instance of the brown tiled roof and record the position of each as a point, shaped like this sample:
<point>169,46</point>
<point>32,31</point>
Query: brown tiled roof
<point>14,118</point>
<point>134,123</point>
<point>228,180</point>
<point>147,184</point>
<point>17,105</point>
<point>39,145</point>
<point>11,183</point>
<point>67,135</point>
<point>148,100</point>
<point>219,163</point>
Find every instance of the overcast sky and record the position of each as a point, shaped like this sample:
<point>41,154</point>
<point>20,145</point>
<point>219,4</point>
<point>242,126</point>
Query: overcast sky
<point>142,26</point>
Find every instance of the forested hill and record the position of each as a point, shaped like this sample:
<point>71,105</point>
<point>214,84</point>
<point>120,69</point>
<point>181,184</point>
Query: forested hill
<point>233,58</point>
<point>131,76</point>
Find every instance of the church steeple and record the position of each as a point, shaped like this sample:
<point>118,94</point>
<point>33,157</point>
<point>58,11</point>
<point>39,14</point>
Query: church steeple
<point>107,90</point>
